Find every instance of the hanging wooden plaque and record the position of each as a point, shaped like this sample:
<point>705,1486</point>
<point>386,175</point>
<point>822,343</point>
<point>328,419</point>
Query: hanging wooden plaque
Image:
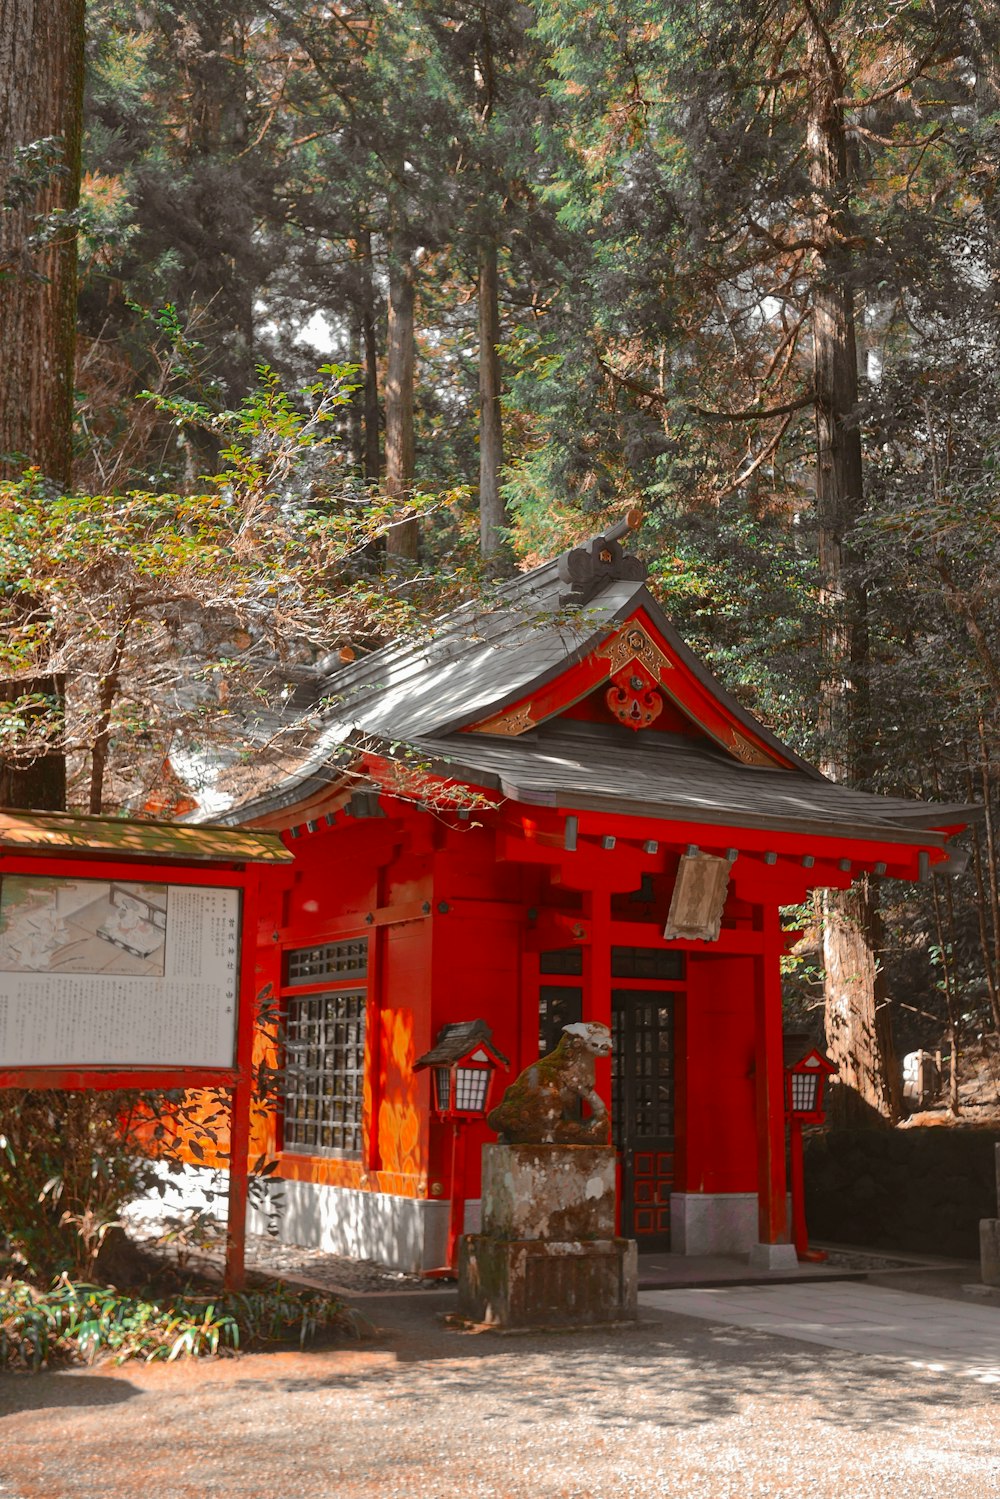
<point>699,897</point>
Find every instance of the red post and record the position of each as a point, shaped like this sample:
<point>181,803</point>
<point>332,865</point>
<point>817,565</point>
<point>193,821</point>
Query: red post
<point>456,1216</point>
<point>239,1144</point>
<point>772,1213</point>
<point>800,1234</point>
<point>800,1237</point>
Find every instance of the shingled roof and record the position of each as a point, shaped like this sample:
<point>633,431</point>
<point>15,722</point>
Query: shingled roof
<point>483,656</point>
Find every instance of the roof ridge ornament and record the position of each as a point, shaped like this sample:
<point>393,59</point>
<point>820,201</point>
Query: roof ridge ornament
<point>601,560</point>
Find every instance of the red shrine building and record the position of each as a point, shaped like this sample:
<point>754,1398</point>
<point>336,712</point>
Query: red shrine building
<point>546,810</point>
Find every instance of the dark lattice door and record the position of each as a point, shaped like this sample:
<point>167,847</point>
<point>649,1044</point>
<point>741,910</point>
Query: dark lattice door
<point>642,1107</point>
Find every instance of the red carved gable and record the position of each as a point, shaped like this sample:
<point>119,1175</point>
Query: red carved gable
<point>635,676</point>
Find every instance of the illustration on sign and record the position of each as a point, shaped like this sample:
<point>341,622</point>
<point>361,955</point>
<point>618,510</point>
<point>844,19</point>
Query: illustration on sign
<point>117,973</point>
<point>82,926</point>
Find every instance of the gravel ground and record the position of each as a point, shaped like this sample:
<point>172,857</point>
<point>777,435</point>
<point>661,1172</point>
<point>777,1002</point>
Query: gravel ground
<point>331,1270</point>
<point>673,1407</point>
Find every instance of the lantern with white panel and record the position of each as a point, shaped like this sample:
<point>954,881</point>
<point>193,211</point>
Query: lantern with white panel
<point>463,1063</point>
<point>804,1086</point>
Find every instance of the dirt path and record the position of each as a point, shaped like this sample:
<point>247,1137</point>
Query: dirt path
<point>672,1407</point>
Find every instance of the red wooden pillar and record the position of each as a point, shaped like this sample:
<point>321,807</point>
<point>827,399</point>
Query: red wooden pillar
<point>597,974</point>
<point>772,1187</point>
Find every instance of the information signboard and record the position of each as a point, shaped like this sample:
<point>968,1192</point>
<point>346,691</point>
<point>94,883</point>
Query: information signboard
<point>117,972</point>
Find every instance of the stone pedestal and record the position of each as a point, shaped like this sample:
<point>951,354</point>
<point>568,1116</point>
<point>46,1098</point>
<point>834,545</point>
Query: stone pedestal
<point>548,1255</point>
<point>773,1257</point>
<point>989,1239</point>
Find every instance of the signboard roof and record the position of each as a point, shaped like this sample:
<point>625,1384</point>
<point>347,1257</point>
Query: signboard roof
<point>120,838</point>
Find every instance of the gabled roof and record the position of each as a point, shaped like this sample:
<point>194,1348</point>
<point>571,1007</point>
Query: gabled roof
<point>451,698</point>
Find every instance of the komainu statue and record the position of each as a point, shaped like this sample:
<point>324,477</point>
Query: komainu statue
<point>538,1108</point>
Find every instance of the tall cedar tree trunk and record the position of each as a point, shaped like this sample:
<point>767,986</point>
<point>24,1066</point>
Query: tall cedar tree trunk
<point>41,95</point>
<point>212,143</point>
<point>403,539</point>
<point>858,1031</point>
<point>492,511</point>
<point>369,339</point>
<point>218,132</point>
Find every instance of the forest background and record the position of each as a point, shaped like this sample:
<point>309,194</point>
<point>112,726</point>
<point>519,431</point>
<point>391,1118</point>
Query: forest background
<point>314,317</point>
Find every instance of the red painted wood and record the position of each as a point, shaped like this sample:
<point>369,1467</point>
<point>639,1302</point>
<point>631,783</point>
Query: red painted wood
<point>107,1079</point>
<point>800,1235</point>
<point>85,868</point>
<point>690,696</point>
<point>772,1216</point>
<point>714,1049</point>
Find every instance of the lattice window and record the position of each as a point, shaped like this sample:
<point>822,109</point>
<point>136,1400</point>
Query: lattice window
<point>562,960</point>
<point>324,1073</point>
<point>646,963</point>
<point>334,962</point>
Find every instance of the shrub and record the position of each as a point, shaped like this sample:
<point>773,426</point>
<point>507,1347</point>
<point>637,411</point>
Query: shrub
<point>80,1322</point>
<point>69,1162</point>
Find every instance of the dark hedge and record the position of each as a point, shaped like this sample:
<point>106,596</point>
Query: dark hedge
<point>917,1190</point>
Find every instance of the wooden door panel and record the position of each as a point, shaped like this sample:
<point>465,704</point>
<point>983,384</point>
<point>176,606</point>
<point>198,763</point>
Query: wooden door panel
<point>643,1111</point>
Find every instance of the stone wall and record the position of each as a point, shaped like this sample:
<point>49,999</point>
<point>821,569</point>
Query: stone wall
<point>917,1190</point>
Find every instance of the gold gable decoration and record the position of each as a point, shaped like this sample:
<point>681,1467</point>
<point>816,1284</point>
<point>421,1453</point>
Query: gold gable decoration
<point>634,643</point>
<point>749,753</point>
<point>512,722</point>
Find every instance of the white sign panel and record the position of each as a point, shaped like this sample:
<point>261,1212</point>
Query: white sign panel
<point>117,973</point>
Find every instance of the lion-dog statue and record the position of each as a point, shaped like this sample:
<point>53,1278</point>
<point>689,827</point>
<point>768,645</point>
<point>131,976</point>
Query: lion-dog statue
<point>538,1108</point>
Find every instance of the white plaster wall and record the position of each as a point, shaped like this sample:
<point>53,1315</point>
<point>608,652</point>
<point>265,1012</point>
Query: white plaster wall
<point>189,1189</point>
<point>404,1233</point>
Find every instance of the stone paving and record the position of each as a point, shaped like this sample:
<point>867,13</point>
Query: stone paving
<point>925,1332</point>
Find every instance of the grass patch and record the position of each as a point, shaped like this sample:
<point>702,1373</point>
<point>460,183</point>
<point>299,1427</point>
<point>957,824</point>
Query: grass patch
<point>73,1322</point>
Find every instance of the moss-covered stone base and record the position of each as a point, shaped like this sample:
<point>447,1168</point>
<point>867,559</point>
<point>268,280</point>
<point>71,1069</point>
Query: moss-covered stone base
<point>538,1283</point>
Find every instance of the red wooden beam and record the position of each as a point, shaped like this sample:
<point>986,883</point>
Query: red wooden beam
<point>83,868</point>
<point>106,1079</point>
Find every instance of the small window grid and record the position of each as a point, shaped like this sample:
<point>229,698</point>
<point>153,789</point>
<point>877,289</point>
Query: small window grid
<point>324,1073</point>
<point>323,1092</point>
<point>333,962</point>
<point>470,1088</point>
<point>804,1092</point>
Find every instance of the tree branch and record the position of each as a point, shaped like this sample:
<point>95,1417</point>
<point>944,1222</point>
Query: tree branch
<point>755,413</point>
<point>749,414</point>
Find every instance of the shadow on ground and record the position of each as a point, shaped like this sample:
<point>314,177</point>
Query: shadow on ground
<point>32,1392</point>
<point>702,1371</point>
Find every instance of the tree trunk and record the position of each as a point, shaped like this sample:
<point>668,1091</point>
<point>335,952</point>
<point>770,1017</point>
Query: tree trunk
<point>858,1033</point>
<point>403,538</point>
<point>369,338</point>
<point>858,1024</point>
<point>41,98</point>
<point>492,510</point>
<point>219,137</point>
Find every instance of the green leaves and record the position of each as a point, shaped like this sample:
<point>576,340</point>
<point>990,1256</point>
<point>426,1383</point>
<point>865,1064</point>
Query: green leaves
<point>77,1322</point>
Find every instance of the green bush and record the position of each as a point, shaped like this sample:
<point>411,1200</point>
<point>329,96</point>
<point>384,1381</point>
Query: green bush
<point>75,1322</point>
<point>69,1163</point>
